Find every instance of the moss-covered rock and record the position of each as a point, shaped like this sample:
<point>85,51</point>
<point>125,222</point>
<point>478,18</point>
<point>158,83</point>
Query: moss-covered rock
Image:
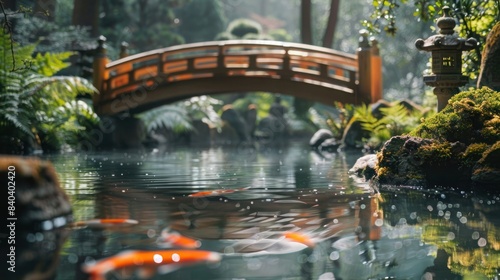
<point>487,169</point>
<point>490,72</point>
<point>392,169</point>
<point>459,146</point>
<point>470,117</point>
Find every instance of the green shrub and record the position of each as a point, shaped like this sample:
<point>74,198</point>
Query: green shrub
<point>36,106</point>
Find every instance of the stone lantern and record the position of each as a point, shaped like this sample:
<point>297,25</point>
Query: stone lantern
<point>446,48</point>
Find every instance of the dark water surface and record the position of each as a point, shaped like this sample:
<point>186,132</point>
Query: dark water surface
<point>248,200</point>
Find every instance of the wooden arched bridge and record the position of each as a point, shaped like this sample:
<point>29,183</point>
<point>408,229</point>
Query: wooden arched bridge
<point>146,80</point>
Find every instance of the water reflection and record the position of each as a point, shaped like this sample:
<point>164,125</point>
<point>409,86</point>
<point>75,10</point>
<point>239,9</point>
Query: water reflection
<point>461,224</point>
<point>353,233</point>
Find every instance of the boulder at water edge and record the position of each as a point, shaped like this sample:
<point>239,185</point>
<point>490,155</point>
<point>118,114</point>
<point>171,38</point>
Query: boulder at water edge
<point>39,200</point>
<point>407,160</point>
<point>365,166</point>
<point>319,137</point>
<point>39,212</point>
<point>458,146</point>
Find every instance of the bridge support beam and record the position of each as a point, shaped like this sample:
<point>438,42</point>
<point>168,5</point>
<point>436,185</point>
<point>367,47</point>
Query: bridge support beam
<point>130,133</point>
<point>369,70</point>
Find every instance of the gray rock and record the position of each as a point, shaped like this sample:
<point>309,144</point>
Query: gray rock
<point>353,135</point>
<point>365,166</point>
<point>319,137</point>
<point>330,145</point>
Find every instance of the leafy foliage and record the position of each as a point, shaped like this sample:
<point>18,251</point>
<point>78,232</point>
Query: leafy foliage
<point>144,24</point>
<point>48,36</point>
<point>339,125</point>
<point>248,29</point>
<point>395,120</point>
<point>204,108</point>
<point>179,117</point>
<point>171,117</point>
<point>240,28</point>
<point>262,99</point>
<point>475,18</point>
<point>201,20</point>
<point>37,106</point>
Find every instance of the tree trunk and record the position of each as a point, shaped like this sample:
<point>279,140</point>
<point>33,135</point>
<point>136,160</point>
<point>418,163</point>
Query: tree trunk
<point>332,24</point>
<point>305,22</point>
<point>45,9</point>
<point>86,13</point>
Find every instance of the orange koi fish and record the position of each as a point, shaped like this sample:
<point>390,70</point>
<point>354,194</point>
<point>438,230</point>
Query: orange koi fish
<point>101,223</point>
<point>175,239</point>
<point>299,237</point>
<point>147,259</point>
<point>216,192</point>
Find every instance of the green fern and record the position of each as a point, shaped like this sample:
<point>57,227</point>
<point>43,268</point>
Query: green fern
<point>36,105</point>
<point>396,120</point>
<point>339,124</point>
<point>49,64</point>
<point>169,116</point>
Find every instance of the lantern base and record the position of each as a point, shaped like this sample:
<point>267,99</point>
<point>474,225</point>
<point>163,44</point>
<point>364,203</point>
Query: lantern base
<point>443,95</point>
<point>446,80</point>
<point>445,86</point>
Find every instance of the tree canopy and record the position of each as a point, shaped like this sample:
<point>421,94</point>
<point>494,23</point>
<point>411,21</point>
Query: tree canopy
<point>475,19</point>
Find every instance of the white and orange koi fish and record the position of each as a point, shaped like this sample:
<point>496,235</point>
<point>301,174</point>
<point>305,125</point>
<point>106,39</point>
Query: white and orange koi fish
<point>175,239</point>
<point>102,223</point>
<point>148,260</point>
<point>300,238</point>
<point>216,192</point>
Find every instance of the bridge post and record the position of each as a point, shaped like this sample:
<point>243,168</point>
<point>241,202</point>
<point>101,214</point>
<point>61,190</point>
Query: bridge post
<point>220,59</point>
<point>369,70</point>
<point>99,70</point>
<point>123,49</point>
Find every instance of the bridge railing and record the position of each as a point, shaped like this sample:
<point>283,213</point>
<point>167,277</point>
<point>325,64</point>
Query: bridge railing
<point>349,73</point>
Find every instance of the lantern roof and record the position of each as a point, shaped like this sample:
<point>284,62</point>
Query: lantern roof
<point>447,39</point>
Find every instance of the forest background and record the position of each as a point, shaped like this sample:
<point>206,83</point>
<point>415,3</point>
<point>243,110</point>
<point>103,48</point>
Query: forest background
<point>55,26</point>
<point>150,24</point>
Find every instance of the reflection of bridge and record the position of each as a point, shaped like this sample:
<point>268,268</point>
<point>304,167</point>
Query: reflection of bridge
<point>139,82</point>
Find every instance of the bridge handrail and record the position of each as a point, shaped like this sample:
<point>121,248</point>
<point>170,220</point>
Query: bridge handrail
<point>350,75</point>
<point>292,59</point>
<point>220,46</point>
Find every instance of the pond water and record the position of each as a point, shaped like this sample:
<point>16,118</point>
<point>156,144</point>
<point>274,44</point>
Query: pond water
<point>268,213</point>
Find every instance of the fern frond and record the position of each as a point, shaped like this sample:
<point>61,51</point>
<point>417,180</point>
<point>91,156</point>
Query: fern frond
<point>49,64</point>
<point>11,60</point>
<point>13,120</point>
<point>169,116</point>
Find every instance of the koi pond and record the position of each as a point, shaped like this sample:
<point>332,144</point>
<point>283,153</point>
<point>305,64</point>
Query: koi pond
<point>265,213</point>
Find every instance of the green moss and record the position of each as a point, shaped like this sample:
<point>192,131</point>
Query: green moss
<point>435,153</point>
<point>458,146</point>
<point>491,157</point>
<point>470,117</point>
<point>491,129</point>
<point>473,153</point>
